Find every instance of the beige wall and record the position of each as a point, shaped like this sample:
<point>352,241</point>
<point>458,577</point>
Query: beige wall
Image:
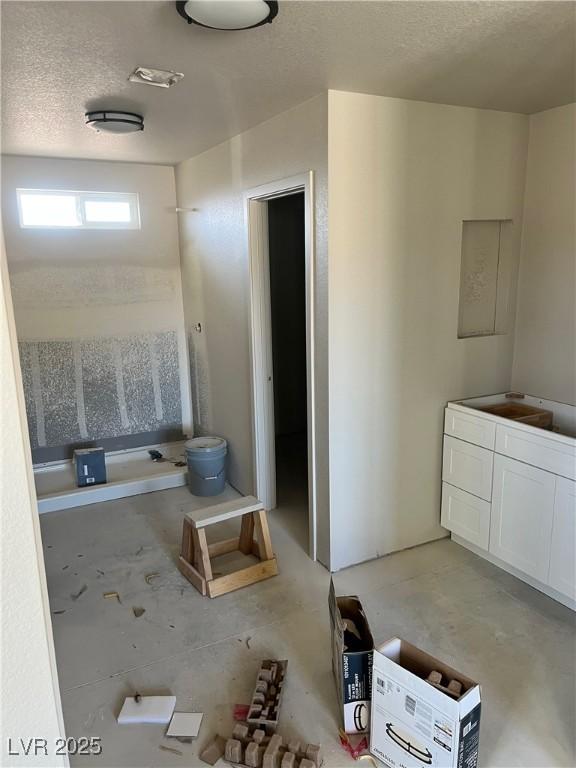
<point>545,349</point>
<point>215,277</point>
<point>29,683</point>
<point>78,286</point>
<point>127,279</point>
<point>402,177</point>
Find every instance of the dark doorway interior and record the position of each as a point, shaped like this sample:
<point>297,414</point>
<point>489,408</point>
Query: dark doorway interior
<point>288,309</point>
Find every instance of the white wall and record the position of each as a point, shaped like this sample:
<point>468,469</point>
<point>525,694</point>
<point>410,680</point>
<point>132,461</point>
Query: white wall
<point>215,276</point>
<point>93,284</point>
<point>402,177</point>
<point>545,349</point>
<point>126,278</point>
<point>29,683</point>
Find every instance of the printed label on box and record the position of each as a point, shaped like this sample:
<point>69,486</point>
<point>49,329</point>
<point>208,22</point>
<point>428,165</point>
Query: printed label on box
<point>356,684</point>
<point>352,666</point>
<point>410,728</point>
<point>417,724</point>
<point>357,716</point>
<point>469,739</point>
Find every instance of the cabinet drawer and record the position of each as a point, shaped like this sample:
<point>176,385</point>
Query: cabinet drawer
<point>466,515</point>
<point>468,467</point>
<point>562,575</point>
<point>537,450</point>
<point>521,517</point>
<point>470,428</point>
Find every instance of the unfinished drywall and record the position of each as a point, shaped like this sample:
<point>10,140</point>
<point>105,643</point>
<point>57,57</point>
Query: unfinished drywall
<point>99,312</point>
<point>215,279</point>
<point>30,697</point>
<point>109,389</point>
<point>403,175</point>
<point>545,348</point>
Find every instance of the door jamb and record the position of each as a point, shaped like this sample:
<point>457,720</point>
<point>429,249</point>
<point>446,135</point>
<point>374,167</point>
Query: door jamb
<point>256,213</point>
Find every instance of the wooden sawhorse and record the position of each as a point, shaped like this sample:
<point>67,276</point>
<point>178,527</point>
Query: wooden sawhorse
<point>194,562</point>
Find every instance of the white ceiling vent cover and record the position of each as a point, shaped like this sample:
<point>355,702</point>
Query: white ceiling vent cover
<point>161,78</point>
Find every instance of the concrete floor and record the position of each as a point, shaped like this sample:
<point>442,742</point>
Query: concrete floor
<point>518,643</point>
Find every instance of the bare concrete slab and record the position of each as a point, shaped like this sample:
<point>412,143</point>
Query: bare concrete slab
<point>517,642</point>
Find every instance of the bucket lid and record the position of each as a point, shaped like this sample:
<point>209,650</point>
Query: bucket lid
<point>205,444</point>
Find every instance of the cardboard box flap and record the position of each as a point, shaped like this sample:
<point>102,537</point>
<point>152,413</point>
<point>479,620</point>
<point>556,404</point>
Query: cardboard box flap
<point>334,613</point>
<point>469,700</point>
<point>350,607</point>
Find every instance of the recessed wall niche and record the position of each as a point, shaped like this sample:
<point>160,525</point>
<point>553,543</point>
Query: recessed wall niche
<point>485,275</point>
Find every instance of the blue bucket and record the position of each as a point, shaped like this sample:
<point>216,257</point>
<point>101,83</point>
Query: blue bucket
<point>206,458</point>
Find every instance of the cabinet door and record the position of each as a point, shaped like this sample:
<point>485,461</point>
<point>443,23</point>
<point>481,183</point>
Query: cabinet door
<point>521,520</point>
<point>466,515</point>
<point>468,467</point>
<point>563,552</point>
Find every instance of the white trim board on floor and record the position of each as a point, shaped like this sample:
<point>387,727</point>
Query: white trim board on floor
<point>130,473</point>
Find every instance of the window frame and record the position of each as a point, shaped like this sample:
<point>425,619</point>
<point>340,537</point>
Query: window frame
<point>82,197</point>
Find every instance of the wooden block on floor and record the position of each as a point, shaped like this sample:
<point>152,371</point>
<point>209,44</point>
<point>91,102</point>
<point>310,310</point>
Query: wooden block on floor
<point>202,554</point>
<point>263,534</point>
<point>246,533</point>
<point>187,550</point>
<point>242,578</point>
<point>194,562</point>
<point>188,570</point>
<point>224,547</point>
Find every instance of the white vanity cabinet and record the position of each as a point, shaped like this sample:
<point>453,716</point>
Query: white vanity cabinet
<point>521,518</point>
<point>466,515</point>
<point>468,467</point>
<point>562,572</point>
<point>508,491</point>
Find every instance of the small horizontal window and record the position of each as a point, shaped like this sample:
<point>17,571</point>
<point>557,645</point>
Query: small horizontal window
<point>60,209</point>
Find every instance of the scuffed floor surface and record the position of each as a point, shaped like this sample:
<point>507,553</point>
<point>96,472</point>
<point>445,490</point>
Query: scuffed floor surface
<point>518,643</point>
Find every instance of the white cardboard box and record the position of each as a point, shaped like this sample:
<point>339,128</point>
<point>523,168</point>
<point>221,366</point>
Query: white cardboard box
<point>413,724</point>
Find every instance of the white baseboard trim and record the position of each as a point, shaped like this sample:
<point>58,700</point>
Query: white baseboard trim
<point>558,596</point>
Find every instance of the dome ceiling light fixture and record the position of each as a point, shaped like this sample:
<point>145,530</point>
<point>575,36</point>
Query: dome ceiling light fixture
<point>114,121</point>
<point>228,14</point>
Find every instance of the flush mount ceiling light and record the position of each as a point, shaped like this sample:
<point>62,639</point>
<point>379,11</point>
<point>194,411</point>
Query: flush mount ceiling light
<point>112,121</point>
<point>228,14</point>
<point>162,78</point>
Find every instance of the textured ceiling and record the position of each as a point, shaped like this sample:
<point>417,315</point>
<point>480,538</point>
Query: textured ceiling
<point>59,58</point>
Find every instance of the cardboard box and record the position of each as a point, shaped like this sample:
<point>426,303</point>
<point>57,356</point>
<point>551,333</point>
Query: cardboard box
<point>90,466</point>
<point>414,724</point>
<point>352,664</point>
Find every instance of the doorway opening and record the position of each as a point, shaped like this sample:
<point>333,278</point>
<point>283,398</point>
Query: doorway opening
<point>287,270</point>
<point>280,226</point>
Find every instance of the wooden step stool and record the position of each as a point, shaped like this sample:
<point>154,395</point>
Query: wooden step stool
<point>194,562</point>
